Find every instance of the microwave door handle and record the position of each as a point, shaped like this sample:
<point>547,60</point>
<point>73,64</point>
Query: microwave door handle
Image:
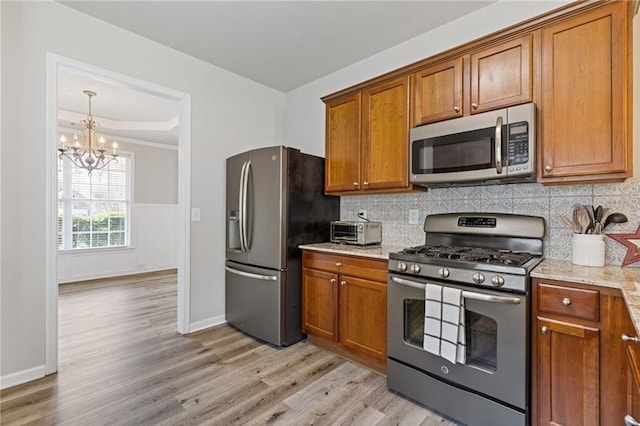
<point>465,294</point>
<point>498,145</point>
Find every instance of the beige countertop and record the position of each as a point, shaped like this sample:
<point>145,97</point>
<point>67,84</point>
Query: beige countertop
<point>625,279</point>
<point>376,252</point>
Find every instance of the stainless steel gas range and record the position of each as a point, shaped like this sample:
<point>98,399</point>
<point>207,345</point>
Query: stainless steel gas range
<point>484,260</point>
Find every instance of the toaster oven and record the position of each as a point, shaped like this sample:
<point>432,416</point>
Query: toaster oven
<point>356,233</point>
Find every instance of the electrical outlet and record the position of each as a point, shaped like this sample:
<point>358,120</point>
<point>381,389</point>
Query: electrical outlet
<point>363,214</point>
<point>414,216</point>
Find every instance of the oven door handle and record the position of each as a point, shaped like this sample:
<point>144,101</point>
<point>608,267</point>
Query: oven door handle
<point>465,294</point>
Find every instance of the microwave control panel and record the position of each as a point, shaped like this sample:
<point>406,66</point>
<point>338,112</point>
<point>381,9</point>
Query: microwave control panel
<point>518,143</point>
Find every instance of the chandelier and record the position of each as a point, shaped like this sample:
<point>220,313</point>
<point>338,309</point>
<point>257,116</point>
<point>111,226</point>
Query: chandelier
<point>90,156</point>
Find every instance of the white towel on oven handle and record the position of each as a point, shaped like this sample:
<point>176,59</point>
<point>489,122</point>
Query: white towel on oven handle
<point>444,324</point>
<point>432,319</point>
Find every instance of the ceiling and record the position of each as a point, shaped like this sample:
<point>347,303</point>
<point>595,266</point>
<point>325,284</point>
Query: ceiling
<point>121,112</point>
<point>281,44</point>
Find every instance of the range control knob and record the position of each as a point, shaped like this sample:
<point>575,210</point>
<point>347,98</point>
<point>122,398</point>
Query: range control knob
<point>478,278</point>
<point>443,272</point>
<point>497,281</point>
<point>415,268</point>
<point>402,266</point>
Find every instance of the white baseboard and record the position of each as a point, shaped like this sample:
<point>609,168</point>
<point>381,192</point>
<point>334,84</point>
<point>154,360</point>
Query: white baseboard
<point>21,377</point>
<point>209,322</point>
<point>115,274</point>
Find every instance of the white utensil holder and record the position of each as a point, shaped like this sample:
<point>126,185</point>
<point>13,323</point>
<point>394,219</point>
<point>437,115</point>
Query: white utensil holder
<point>587,249</point>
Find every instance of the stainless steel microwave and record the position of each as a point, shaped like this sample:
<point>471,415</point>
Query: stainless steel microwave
<point>357,233</point>
<point>483,148</point>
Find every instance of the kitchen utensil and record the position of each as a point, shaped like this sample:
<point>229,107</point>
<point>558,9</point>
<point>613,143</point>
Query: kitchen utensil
<point>568,223</point>
<point>591,212</point>
<point>581,218</point>
<point>598,214</point>
<point>614,218</point>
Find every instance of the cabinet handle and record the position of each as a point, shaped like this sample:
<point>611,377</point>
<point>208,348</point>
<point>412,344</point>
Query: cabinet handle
<point>365,183</point>
<point>544,330</point>
<point>566,301</point>
<point>626,338</point>
<point>474,105</point>
<point>355,183</point>
<point>338,264</point>
<point>343,283</point>
<point>332,280</point>
<point>548,168</point>
<point>630,421</point>
<point>456,108</point>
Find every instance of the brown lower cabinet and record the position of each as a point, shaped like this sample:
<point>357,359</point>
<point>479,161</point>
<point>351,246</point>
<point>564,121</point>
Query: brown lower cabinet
<point>579,367</point>
<point>633,385</point>
<point>344,306</point>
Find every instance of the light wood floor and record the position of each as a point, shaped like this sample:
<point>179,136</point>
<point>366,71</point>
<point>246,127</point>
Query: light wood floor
<point>122,363</point>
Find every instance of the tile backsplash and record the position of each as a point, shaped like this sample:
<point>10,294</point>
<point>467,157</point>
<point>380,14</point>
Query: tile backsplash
<point>528,198</point>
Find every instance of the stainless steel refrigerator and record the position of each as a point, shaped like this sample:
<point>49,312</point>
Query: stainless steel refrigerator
<point>275,202</point>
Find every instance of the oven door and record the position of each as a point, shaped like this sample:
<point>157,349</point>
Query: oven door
<point>497,339</point>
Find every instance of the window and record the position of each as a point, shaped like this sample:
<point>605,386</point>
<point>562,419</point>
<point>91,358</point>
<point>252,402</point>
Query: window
<point>94,211</point>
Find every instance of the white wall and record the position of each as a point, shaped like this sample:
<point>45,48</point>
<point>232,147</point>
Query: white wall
<point>304,117</point>
<point>154,240</point>
<point>229,114</point>
<point>155,174</point>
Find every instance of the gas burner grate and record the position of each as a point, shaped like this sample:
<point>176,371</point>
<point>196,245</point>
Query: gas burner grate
<point>470,254</point>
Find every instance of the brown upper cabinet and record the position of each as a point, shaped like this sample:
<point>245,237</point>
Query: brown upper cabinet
<point>366,140</point>
<point>437,92</point>
<point>342,165</point>
<point>501,75</point>
<point>491,78</point>
<point>574,63</point>
<point>586,95</point>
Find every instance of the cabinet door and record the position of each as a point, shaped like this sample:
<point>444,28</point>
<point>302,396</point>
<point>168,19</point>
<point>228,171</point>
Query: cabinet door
<point>501,75</point>
<point>342,166</point>
<point>567,361</point>
<point>385,135</point>
<point>363,316</point>
<point>319,303</point>
<point>585,97</point>
<point>633,384</point>
<point>437,92</point>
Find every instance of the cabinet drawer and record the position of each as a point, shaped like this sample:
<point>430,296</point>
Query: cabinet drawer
<point>371,269</point>
<point>374,270</point>
<point>569,301</point>
<point>322,261</point>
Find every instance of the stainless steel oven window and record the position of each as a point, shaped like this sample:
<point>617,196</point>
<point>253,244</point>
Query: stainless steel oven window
<point>414,322</point>
<point>482,341</point>
<point>481,334</point>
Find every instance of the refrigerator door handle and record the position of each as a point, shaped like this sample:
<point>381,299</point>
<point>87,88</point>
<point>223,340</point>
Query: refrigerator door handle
<point>244,224</point>
<point>251,275</point>
<point>241,213</point>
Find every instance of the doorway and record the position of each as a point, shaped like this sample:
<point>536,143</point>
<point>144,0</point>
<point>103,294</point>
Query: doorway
<point>56,66</point>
